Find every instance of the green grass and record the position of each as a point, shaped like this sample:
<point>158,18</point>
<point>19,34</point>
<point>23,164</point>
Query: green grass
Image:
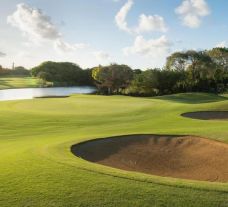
<point>18,82</point>
<point>38,169</point>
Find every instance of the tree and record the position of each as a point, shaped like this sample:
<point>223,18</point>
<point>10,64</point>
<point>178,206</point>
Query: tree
<point>113,78</point>
<point>145,83</point>
<point>220,57</point>
<point>197,67</point>
<point>20,71</point>
<point>155,82</point>
<point>177,61</point>
<point>61,73</point>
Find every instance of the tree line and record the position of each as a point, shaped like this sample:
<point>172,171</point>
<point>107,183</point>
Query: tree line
<point>188,71</point>
<point>17,71</point>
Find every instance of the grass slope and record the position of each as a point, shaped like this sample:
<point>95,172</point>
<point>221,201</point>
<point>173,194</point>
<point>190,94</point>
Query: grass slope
<point>18,82</point>
<point>38,169</point>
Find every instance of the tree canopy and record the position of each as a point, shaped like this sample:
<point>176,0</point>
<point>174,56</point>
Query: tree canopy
<point>113,78</point>
<point>186,71</point>
<point>17,71</point>
<point>62,73</point>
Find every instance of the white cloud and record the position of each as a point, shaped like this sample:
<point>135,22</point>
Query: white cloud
<point>101,56</point>
<point>38,27</point>
<point>222,44</point>
<point>2,54</point>
<point>62,46</point>
<point>151,23</point>
<point>33,23</point>
<point>146,23</point>
<point>150,48</point>
<point>122,14</point>
<point>192,11</point>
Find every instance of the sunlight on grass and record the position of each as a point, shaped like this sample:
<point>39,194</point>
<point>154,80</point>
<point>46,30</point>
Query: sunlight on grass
<point>38,169</point>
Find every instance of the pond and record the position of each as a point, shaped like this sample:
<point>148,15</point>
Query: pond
<point>30,93</point>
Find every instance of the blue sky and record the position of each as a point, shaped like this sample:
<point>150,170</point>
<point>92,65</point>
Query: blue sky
<point>140,33</point>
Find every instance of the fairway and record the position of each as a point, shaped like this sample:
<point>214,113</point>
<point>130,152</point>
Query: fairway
<point>37,167</point>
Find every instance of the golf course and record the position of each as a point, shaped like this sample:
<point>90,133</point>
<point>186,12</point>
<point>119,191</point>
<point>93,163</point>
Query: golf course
<point>38,168</point>
<point>113,103</point>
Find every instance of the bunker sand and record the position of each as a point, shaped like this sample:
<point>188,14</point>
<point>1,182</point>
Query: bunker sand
<point>186,157</point>
<point>207,115</point>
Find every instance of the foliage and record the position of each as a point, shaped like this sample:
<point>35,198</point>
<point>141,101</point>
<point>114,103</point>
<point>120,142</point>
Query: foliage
<point>155,82</point>
<point>190,71</point>
<point>204,70</point>
<point>113,78</point>
<point>62,73</point>
<point>17,71</point>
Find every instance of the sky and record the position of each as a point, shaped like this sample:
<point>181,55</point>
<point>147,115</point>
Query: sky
<point>139,33</point>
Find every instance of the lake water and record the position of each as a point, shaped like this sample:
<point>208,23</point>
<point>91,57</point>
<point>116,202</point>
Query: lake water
<point>30,93</point>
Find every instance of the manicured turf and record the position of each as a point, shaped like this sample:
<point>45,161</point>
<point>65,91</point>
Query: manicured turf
<point>18,82</point>
<point>38,169</point>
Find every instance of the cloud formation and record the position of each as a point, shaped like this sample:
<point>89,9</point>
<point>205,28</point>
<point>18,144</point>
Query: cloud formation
<point>33,23</point>
<point>63,46</point>
<point>38,27</point>
<point>192,11</point>
<point>146,23</point>
<point>222,44</point>
<point>149,48</point>
<point>101,56</point>
<point>122,14</point>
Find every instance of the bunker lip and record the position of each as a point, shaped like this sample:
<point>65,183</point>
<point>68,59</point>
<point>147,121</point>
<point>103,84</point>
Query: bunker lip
<point>51,97</point>
<point>185,157</point>
<point>207,115</point>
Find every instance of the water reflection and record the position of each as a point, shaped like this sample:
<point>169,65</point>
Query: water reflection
<point>30,93</point>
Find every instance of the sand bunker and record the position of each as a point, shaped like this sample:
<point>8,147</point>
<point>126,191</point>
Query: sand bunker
<point>185,157</point>
<point>207,115</point>
<point>52,96</point>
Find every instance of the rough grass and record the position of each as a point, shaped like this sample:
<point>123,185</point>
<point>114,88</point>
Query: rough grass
<point>38,169</point>
<point>18,82</point>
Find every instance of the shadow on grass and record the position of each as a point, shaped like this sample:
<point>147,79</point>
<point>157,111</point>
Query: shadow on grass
<point>192,98</point>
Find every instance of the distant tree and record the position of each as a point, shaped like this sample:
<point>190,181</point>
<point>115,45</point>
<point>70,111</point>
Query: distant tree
<point>20,71</point>
<point>87,78</point>
<point>61,73</point>
<point>145,83</point>
<point>177,61</point>
<point>197,66</point>
<point>220,57</point>
<point>137,71</point>
<point>113,78</point>
<point>155,82</point>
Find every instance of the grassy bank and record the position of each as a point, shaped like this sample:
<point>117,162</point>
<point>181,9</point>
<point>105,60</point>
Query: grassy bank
<point>38,169</point>
<point>18,82</point>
